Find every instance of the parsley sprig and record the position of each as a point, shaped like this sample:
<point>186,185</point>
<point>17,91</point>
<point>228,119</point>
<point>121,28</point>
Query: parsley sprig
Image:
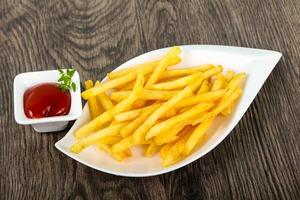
<point>65,80</point>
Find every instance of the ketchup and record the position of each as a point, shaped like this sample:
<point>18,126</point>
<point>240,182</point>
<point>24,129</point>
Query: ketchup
<point>46,100</point>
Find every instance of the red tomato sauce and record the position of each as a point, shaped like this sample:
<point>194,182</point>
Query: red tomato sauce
<point>46,100</point>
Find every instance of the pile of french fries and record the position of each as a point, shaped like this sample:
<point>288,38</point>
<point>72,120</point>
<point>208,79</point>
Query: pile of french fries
<point>165,110</point>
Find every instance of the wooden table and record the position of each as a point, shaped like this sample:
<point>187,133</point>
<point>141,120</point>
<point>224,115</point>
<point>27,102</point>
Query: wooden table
<point>260,159</point>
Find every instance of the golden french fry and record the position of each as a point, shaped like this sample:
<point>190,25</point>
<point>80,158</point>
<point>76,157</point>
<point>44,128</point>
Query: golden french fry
<point>220,107</point>
<point>196,135</point>
<point>219,82</point>
<point>206,97</point>
<point>118,156</point>
<point>172,112</point>
<point>197,82</point>
<point>146,95</point>
<point>111,140</point>
<point>94,107</point>
<point>151,149</point>
<point>93,125</point>
<point>174,152</point>
<point>94,138</point>
<point>114,83</point>
<point>123,145</point>
<point>133,125</point>
<point>132,114</point>
<point>148,67</point>
<point>234,84</point>
<point>229,75</point>
<point>166,125</point>
<point>104,147</point>
<point>108,85</point>
<point>88,84</point>
<point>168,136</point>
<point>104,99</point>
<point>163,64</point>
<point>175,73</point>
<point>165,148</point>
<point>108,116</point>
<point>212,72</point>
<point>120,73</point>
<point>127,103</point>
<point>126,87</point>
<point>139,134</point>
<point>176,84</point>
<point>227,111</point>
<point>204,87</point>
<point>139,103</point>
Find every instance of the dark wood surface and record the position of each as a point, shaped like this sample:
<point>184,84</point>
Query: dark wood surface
<point>260,159</point>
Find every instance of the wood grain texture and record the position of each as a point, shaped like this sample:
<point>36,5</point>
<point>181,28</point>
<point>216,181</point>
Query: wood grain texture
<point>260,159</point>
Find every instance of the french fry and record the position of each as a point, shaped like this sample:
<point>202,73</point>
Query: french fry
<point>163,64</point>
<point>126,87</point>
<point>148,67</point>
<point>118,156</point>
<point>139,103</point>
<point>104,147</point>
<point>94,107</point>
<point>151,149</point>
<point>198,82</point>
<point>88,84</point>
<point>204,87</point>
<point>206,97</point>
<point>174,152</point>
<point>123,145</point>
<point>196,135</point>
<point>93,125</point>
<point>111,140</point>
<point>127,103</point>
<point>175,73</point>
<point>229,75</point>
<point>118,81</point>
<point>131,115</point>
<point>234,84</point>
<point>181,118</point>
<point>165,148</point>
<point>227,111</point>
<point>133,125</point>
<point>168,136</point>
<point>212,72</point>
<point>168,114</point>
<point>108,116</point>
<point>120,73</point>
<point>94,138</point>
<point>139,134</point>
<point>176,84</point>
<point>219,82</point>
<point>146,95</point>
<point>108,85</point>
<point>220,107</point>
<point>104,99</point>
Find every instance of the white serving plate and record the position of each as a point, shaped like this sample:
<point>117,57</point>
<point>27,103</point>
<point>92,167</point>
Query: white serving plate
<point>257,63</point>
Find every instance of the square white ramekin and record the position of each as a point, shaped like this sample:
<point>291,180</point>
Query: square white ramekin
<point>47,124</point>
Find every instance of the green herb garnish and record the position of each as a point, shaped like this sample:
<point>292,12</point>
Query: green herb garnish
<point>65,80</point>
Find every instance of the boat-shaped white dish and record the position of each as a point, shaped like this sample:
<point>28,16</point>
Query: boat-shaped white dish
<point>257,63</point>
